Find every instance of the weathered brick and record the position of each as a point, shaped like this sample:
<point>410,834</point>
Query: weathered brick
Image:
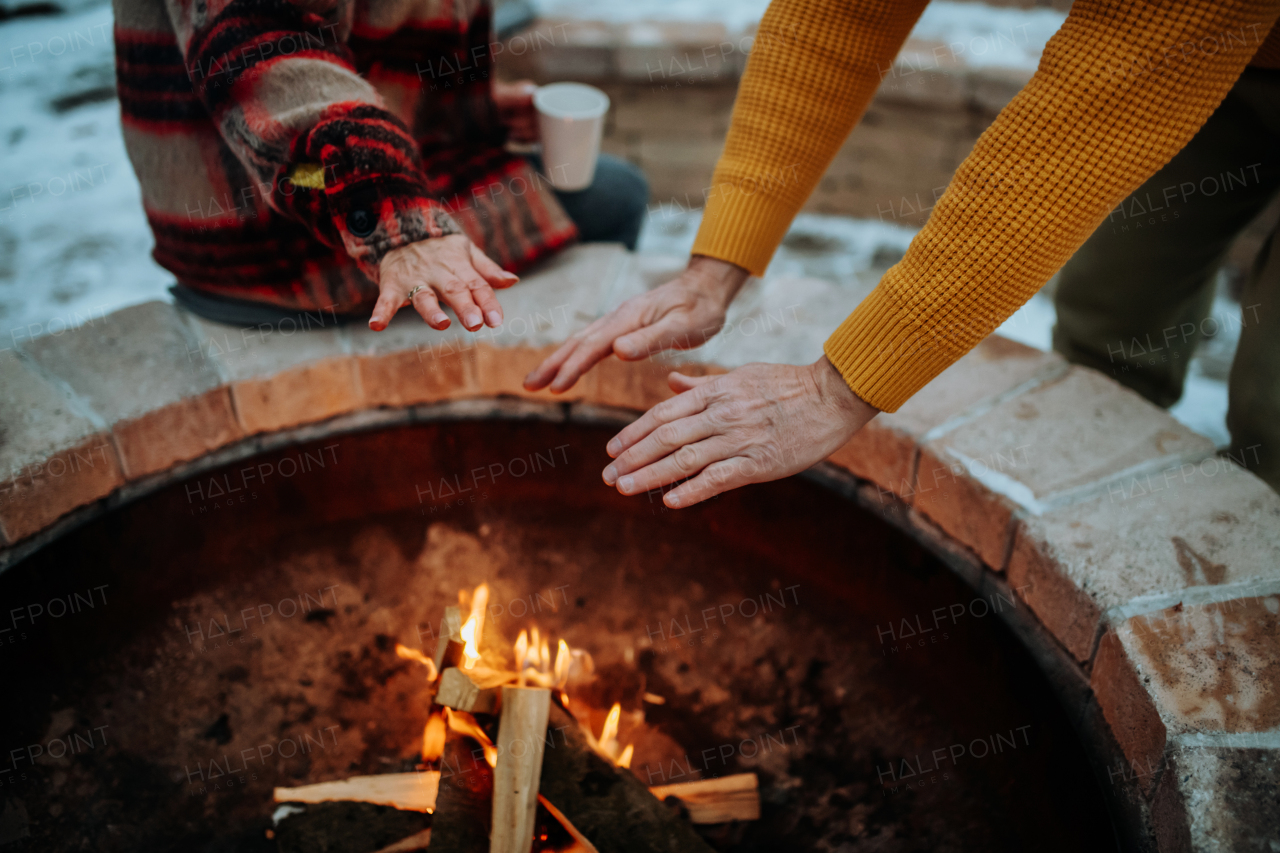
<point>884,450</point>
<point>656,52</point>
<point>284,374</point>
<point>1186,526</point>
<point>409,363</point>
<point>1218,799</point>
<point>163,402</point>
<point>1210,668</point>
<point>54,457</point>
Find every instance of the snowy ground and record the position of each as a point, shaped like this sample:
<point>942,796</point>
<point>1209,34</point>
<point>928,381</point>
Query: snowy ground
<point>74,244</point>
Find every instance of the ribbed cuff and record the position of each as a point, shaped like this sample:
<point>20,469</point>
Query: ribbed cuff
<point>743,230</point>
<point>883,354</point>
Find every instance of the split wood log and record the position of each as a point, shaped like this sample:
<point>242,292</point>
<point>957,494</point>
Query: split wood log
<point>450,644</point>
<point>461,820</point>
<point>474,692</point>
<point>721,800</point>
<point>522,733</point>
<point>608,804</point>
<point>406,791</point>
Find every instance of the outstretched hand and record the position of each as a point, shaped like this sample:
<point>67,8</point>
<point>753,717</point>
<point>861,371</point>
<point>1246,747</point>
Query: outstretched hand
<point>758,423</point>
<point>452,270</point>
<point>681,314</point>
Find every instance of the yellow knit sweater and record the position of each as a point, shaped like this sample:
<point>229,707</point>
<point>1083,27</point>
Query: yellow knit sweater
<point>1120,89</point>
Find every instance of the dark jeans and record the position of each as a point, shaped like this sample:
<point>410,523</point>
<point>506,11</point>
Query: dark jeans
<point>1134,301</point>
<point>611,210</point>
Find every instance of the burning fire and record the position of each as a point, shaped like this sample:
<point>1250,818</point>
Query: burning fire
<point>533,667</point>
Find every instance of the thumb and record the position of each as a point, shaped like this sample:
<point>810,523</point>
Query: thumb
<point>681,383</point>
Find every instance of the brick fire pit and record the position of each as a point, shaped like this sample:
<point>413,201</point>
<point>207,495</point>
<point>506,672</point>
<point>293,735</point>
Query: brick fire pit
<point>1149,566</point>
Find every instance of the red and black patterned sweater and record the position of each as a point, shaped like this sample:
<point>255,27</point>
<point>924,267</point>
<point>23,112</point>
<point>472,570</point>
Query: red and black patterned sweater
<point>285,146</point>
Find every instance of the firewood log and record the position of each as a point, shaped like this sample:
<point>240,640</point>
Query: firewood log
<point>607,804</point>
<point>522,732</point>
<point>461,820</point>
<point>450,645</point>
<point>719,800</point>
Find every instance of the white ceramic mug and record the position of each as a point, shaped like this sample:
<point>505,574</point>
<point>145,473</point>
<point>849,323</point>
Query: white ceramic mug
<point>571,122</point>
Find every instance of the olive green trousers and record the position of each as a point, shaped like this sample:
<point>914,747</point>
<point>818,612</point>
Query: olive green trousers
<point>1137,297</point>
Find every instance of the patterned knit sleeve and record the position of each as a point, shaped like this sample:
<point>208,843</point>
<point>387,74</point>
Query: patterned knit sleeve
<point>1121,88</point>
<point>279,82</point>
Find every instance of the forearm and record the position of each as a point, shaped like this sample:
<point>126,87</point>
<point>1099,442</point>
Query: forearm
<point>279,83</point>
<point>1115,97</point>
<point>813,69</point>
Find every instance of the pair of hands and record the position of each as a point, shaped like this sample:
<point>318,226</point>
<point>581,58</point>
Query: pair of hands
<point>758,423</point>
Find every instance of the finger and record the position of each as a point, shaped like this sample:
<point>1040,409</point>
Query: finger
<point>484,297</point>
<point>425,303</point>
<point>670,332</point>
<point>680,383</point>
<point>681,406</point>
<point>662,442</point>
<point>541,375</point>
<point>490,271</point>
<point>715,479</point>
<point>457,295</point>
<point>390,300</point>
<point>684,463</point>
<point>597,342</point>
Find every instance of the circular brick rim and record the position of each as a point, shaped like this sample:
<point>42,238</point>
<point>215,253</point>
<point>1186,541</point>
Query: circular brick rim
<point>139,401</point>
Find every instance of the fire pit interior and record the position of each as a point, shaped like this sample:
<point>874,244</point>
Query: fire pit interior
<point>241,640</point>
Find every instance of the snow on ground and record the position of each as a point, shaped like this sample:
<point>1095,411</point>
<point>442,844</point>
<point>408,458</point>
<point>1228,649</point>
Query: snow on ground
<point>979,35</point>
<point>74,244</point>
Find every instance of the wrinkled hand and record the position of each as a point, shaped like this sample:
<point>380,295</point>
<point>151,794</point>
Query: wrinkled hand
<point>758,423</point>
<point>681,314</point>
<point>453,270</point>
<point>515,109</point>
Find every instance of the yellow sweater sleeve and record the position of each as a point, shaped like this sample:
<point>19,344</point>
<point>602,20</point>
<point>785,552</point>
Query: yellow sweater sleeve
<point>813,69</point>
<point>1120,89</point>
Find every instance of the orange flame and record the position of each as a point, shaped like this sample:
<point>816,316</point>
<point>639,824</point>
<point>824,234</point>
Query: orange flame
<point>413,654</point>
<point>624,760</point>
<point>433,737</point>
<point>474,627</point>
<point>463,723</point>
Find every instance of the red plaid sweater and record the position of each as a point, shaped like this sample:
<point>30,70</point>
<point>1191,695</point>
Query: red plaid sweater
<point>285,146</point>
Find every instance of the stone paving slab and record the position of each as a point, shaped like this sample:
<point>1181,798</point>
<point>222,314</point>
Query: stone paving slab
<point>1185,526</point>
<point>135,368</point>
<point>55,454</point>
<point>1062,438</point>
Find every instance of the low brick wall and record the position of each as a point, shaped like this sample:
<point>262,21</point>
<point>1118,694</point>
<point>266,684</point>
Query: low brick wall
<point>1149,566</point>
<point>673,84</point>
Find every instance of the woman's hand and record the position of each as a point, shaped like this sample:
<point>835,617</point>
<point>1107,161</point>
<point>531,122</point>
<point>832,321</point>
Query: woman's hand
<point>516,110</point>
<point>451,269</point>
<point>681,314</point>
<point>758,423</point>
